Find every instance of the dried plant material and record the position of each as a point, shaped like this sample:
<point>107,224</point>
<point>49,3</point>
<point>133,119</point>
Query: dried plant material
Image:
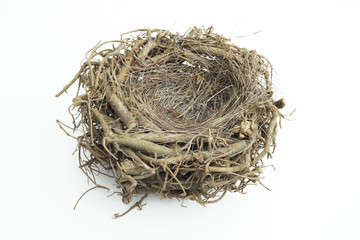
<point>188,116</point>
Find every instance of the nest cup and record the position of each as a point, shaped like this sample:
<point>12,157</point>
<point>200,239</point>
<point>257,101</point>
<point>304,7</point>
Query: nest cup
<point>188,116</point>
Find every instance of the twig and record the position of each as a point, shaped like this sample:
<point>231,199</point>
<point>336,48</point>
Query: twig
<point>97,186</point>
<point>137,204</point>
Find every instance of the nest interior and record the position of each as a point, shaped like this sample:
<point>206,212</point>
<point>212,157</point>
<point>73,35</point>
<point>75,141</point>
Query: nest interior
<point>188,116</point>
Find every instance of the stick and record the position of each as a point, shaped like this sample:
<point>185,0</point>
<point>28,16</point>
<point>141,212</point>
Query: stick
<point>270,135</point>
<point>231,150</point>
<point>138,160</point>
<point>119,108</point>
<point>164,161</point>
<point>164,137</point>
<point>137,204</point>
<point>142,145</point>
<point>72,81</point>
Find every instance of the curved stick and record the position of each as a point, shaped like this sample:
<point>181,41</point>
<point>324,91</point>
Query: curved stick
<point>142,145</point>
<point>269,138</point>
<point>231,150</point>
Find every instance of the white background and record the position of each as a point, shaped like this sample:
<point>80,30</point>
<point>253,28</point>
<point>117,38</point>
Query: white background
<point>314,48</point>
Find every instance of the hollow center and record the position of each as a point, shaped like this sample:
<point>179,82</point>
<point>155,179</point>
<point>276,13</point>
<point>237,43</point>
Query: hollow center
<point>185,94</point>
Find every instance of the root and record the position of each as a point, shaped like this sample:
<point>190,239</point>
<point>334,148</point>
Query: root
<point>137,204</point>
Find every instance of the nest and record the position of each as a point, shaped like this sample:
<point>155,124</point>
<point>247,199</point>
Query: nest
<point>188,116</point>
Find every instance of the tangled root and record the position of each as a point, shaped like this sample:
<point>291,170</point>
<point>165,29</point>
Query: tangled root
<point>188,116</point>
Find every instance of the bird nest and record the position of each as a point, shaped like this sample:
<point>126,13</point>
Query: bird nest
<point>188,116</point>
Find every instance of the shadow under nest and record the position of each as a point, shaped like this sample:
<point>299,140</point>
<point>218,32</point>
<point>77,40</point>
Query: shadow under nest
<point>188,116</point>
